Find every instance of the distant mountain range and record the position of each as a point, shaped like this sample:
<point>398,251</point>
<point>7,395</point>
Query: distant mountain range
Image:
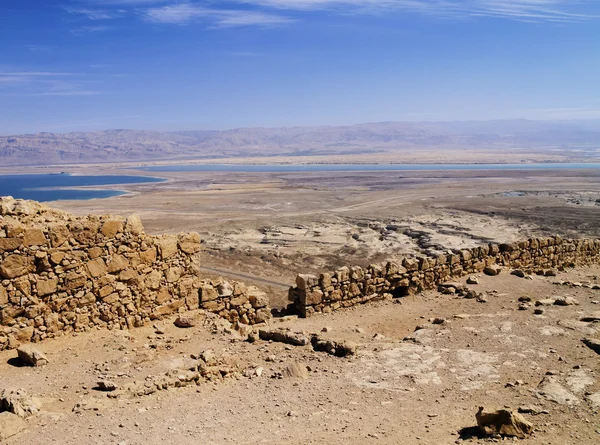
<point>580,137</point>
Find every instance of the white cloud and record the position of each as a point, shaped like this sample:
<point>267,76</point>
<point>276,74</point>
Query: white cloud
<point>95,14</point>
<point>184,13</point>
<point>44,83</point>
<point>536,10</point>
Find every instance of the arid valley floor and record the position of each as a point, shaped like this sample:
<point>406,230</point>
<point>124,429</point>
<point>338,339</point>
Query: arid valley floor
<point>404,385</point>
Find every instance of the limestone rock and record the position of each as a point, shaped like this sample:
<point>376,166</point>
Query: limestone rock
<point>111,228</point>
<point>593,344</point>
<point>15,266</point>
<point>295,371</point>
<point>106,385</point>
<point>32,356</point>
<point>47,287</point>
<point>190,243</point>
<point>185,321</point>
<point>10,425</point>
<point>134,225</point>
<point>505,422</point>
<point>19,402</point>
<point>472,280</point>
<point>3,296</point>
<point>566,301</point>
<point>284,336</point>
<point>492,270</point>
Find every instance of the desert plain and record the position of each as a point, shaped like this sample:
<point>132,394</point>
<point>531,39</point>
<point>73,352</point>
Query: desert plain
<point>424,364</point>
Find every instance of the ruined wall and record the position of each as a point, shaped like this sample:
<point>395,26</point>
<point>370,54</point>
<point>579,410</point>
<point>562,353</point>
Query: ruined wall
<point>60,273</point>
<point>356,285</point>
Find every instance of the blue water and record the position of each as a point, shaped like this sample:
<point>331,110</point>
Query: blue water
<point>358,167</point>
<point>55,187</point>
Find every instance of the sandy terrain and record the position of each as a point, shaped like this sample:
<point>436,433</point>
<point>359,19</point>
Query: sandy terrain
<point>264,229</point>
<point>424,389</point>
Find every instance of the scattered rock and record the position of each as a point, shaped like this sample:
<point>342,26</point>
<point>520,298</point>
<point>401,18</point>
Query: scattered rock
<point>566,301</point>
<point>10,425</point>
<point>282,335</point>
<point>341,349</point>
<point>32,356</point>
<point>472,280</point>
<point>591,318</point>
<point>545,302</point>
<point>518,273</point>
<point>505,422</point>
<point>186,321</point>
<point>296,371</point>
<point>551,389</point>
<point>593,344</point>
<point>106,385</point>
<point>19,402</point>
<point>492,270</point>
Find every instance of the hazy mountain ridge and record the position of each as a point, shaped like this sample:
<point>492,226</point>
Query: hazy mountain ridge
<point>383,137</point>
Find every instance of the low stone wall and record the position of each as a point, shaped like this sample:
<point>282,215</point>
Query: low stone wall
<point>347,287</point>
<point>60,273</point>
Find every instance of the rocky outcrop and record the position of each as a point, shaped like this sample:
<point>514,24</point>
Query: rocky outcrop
<point>349,286</point>
<point>61,273</point>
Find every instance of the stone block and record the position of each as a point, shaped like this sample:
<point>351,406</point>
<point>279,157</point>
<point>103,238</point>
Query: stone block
<point>306,281</point>
<point>167,246</point>
<point>111,228</point>
<point>96,268</point>
<point>9,244</point>
<point>190,243</point>
<point>47,287</point>
<point>117,263</point>
<point>15,266</point>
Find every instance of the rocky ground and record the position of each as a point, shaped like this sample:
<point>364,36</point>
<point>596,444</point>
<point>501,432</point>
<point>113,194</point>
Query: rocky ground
<point>423,366</point>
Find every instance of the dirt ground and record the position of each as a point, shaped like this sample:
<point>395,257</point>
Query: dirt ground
<point>403,386</point>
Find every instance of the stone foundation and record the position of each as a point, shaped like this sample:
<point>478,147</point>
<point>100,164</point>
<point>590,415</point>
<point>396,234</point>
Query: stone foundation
<point>61,273</point>
<point>347,287</point>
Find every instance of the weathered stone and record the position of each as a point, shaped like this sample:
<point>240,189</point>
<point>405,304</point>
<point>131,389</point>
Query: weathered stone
<point>58,234</point>
<point>111,228</point>
<point>96,268</point>
<point>75,280</point>
<point>492,270</point>
<point>15,266</point>
<point>284,336</point>
<point>106,385</point>
<point>167,246</point>
<point>3,296</point>
<point>593,344</point>
<point>190,243</point>
<point>185,321</point>
<point>95,252</point>
<point>208,293</point>
<point>134,225</point>
<point>34,237</point>
<point>47,287</point>
<point>10,425</point>
<point>32,356</point>
<point>306,281</point>
<point>505,422</point>
<point>173,274</point>
<point>295,371</point>
<point>148,256</point>
<point>19,402</point>
<point>117,263</point>
<point>258,299</point>
<point>9,244</point>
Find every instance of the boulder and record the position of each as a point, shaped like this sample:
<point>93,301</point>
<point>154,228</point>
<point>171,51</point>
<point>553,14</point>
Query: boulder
<point>9,244</point>
<point>593,344</point>
<point>34,237</point>
<point>284,336</point>
<point>190,243</point>
<point>505,422</point>
<point>32,356</point>
<point>167,246</point>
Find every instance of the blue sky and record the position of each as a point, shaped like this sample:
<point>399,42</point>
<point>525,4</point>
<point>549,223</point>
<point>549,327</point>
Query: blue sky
<point>80,65</point>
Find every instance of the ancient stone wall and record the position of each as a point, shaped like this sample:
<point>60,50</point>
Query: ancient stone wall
<point>60,273</point>
<point>356,285</point>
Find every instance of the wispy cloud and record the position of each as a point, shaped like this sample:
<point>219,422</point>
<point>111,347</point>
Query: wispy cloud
<point>89,29</point>
<point>184,13</point>
<point>44,83</point>
<point>532,10</point>
<point>95,14</point>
